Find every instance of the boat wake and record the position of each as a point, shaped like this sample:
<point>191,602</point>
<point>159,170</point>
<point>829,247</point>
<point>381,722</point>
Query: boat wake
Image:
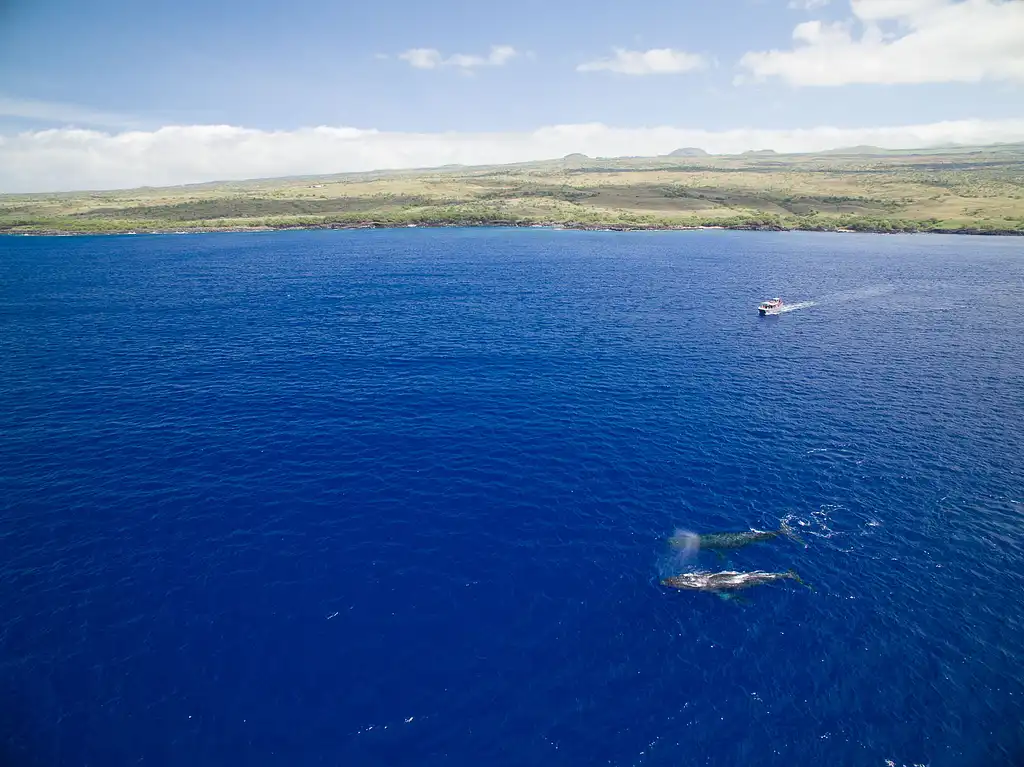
<point>861,294</point>
<point>871,291</point>
<point>794,307</point>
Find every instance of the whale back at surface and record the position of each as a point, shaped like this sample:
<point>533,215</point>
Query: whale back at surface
<point>726,580</point>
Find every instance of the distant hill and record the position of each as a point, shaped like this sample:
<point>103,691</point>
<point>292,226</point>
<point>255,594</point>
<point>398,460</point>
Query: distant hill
<point>759,153</point>
<point>688,151</point>
<point>575,160</point>
<point>862,149</point>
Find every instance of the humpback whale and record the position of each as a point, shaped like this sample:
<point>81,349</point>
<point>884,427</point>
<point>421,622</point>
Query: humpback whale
<point>723,541</point>
<point>726,580</point>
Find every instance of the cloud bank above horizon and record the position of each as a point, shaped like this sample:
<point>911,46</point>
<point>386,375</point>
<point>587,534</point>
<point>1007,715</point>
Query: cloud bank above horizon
<point>68,159</point>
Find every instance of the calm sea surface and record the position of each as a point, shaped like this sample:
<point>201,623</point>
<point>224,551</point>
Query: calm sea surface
<point>402,498</point>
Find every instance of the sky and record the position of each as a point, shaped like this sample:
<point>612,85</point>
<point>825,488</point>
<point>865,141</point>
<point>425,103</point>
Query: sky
<point>121,93</point>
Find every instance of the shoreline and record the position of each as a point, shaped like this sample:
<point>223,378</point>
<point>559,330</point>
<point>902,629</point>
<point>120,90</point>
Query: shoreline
<point>980,192</point>
<point>571,226</point>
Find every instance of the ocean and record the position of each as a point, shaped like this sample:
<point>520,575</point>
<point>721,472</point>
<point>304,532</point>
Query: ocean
<point>403,497</point>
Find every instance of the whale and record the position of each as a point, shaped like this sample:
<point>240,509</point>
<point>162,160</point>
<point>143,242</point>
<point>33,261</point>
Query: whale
<point>725,541</point>
<point>726,580</point>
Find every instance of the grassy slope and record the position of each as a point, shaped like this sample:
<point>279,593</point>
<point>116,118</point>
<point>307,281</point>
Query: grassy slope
<point>980,189</point>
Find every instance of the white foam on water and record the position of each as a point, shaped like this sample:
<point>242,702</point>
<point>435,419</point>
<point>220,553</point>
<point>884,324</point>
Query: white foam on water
<point>815,524</point>
<point>820,525</point>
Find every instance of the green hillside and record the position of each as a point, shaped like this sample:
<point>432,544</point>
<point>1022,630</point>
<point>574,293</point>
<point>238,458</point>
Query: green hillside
<point>968,189</point>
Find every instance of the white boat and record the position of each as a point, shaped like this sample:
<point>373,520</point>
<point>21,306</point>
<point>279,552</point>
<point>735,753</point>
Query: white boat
<point>771,306</point>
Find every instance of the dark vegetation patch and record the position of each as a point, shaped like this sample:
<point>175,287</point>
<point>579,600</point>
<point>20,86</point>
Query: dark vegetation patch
<point>704,197</point>
<point>253,207</point>
<point>564,193</point>
<point>810,204</point>
<point>970,165</point>
<point>17,211</point>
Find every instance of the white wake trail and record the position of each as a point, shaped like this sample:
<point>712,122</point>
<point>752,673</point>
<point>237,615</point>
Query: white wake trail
<point>871,291</point>
<point>793,307</point>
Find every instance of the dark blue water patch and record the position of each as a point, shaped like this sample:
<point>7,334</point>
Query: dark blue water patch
<point>402,497</point>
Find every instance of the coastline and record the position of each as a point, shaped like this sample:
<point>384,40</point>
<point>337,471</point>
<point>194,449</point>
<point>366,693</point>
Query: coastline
<point>549,225</point>
<point>978,192</point>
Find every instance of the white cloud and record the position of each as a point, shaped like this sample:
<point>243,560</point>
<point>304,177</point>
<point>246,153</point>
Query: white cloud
<point>431,58</point>
<point>807,5</point>
<point>499,56</point>
<point>54,112</point>
<point>657,61</point>
<point>422,58</point>
<point>65,159</point>
<point>903,41</point>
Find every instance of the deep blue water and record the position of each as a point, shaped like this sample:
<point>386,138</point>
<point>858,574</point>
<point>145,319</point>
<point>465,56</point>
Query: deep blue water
<point>401,498</point>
